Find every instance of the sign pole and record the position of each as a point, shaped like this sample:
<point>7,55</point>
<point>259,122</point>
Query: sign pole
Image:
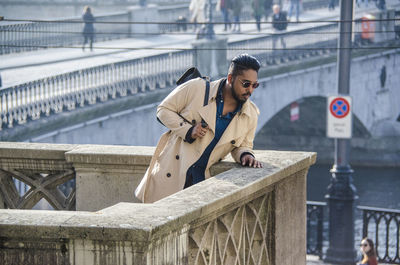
<point>341,191</point>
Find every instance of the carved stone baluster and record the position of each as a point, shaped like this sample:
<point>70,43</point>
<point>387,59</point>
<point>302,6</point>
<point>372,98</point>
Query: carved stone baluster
<point>81,96</point>
<point>113,81</point>
<point>48,94</point>
<point>35,114</point>
<point>56,98</point>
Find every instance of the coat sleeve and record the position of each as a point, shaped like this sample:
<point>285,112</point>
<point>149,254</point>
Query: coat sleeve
<point>247,145</point>
<point>172,105</point>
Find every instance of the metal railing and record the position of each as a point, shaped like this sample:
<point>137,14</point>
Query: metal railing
<point>19,37</point>
<point>383,226</point>
<point>315,218</point>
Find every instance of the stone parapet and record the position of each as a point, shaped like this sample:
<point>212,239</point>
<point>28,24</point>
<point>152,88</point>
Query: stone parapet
<point>254,215</point>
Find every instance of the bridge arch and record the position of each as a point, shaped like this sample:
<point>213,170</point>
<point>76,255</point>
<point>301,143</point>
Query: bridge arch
<point>373,103</point>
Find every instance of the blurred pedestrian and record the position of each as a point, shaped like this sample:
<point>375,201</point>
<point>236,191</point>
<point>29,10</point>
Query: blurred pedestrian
<point>88,29</point>
<point>224,6</point>
<point>381,4</point>
<point>237,8</point>
<point>279,24</point>
<point>197,8</point>
<point>368,251</point>
<point>294,4</point>
<point>267,8</point>
<point>258,11</point>
<point>332,4</point>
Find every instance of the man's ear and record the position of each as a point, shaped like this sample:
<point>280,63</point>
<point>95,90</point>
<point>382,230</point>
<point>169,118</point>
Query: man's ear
<point>229,79</point>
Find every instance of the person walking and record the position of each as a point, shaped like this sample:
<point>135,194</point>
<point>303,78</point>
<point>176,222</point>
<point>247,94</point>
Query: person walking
<point>200,136</point>
<point>332,4</point>
<point>258,11</point>
<point>279,24</point>
<point>88,29</point>
<point>197,8</point>
<point>294,4</point>
<point>237,8</point>
<point>368,251</point>
<point>224,6</point>
<point>267,8</point>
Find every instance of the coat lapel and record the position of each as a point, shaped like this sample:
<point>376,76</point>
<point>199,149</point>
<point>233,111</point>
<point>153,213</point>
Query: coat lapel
<point>237,127</point>
<point>208,113</point>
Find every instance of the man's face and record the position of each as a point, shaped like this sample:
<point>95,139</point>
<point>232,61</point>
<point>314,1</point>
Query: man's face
<point>243,85</point>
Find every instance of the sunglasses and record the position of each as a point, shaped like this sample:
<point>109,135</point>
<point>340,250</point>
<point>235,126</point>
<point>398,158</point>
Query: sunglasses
<point>246,84</point>
<point>363,245</point>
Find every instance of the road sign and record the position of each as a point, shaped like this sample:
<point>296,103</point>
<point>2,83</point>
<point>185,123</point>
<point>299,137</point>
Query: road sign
<point>339,117</point>
<point>294,111</point>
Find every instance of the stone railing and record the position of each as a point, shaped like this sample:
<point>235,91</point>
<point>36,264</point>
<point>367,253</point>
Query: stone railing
<point>240,216</point>
<point>65,92</point>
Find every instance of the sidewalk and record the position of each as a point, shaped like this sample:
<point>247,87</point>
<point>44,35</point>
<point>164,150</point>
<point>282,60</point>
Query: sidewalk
<point>24,67</point>
<point>314,260</point>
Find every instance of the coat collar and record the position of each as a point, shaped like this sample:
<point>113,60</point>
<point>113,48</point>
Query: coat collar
<point>208,112</point>
<point>214,90</point>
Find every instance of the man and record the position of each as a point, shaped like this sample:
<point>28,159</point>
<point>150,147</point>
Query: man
<point>279,23</point>
<point>185,153</point>
<point>294,4</point>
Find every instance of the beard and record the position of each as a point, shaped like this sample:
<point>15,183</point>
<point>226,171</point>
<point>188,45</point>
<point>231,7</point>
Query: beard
<point>236,96</point>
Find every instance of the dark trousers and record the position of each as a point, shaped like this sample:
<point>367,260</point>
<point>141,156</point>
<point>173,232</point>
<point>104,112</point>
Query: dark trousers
<point>88,38</point>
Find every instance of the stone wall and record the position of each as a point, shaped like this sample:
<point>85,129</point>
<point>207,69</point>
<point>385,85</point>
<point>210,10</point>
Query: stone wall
<point>246,214</point>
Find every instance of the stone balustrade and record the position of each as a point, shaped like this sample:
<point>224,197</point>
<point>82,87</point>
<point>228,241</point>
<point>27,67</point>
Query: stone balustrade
<point>240,216</point>
<point>65,92</point>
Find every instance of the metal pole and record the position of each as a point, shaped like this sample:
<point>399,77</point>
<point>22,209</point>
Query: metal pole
<point>341,191</point>
<point>210,28</point>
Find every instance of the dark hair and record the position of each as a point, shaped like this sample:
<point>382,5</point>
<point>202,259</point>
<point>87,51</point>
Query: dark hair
<point>371,251</point>
<point>243,62</point>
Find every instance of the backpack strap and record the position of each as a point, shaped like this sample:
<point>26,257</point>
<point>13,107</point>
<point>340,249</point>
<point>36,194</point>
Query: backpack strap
<point>207,91</point>
<point>206,95</point>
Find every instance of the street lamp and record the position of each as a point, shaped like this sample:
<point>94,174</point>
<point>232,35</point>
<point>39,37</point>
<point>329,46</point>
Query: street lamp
<point>341,191</point>
<point>210,34</point>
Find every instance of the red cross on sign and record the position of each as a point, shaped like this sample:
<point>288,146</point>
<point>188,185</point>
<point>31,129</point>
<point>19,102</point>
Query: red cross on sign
<point>339,107</point>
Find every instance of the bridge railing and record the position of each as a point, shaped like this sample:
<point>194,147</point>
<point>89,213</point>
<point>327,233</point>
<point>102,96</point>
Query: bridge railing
<point>254,215</point>
<point>315,227</point>
<point>31,100</point>
<point>29,36</point>
<point>381,225</point>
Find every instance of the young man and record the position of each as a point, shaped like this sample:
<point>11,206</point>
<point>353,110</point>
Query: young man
<point>201,136</point>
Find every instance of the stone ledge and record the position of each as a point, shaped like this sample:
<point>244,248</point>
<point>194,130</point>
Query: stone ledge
<point>110,154</point>
<point>130,221</point>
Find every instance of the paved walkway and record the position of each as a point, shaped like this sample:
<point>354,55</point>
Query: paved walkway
<point>314,260</point>
<point>23,67</point>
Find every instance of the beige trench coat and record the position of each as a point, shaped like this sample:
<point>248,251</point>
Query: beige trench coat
<point>173,156</point>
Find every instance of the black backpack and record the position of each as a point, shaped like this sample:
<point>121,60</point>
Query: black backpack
<point>189,74</point>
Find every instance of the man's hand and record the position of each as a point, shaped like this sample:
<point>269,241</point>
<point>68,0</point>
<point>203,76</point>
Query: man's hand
<point>198,131</point>
<point>249,160</point>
